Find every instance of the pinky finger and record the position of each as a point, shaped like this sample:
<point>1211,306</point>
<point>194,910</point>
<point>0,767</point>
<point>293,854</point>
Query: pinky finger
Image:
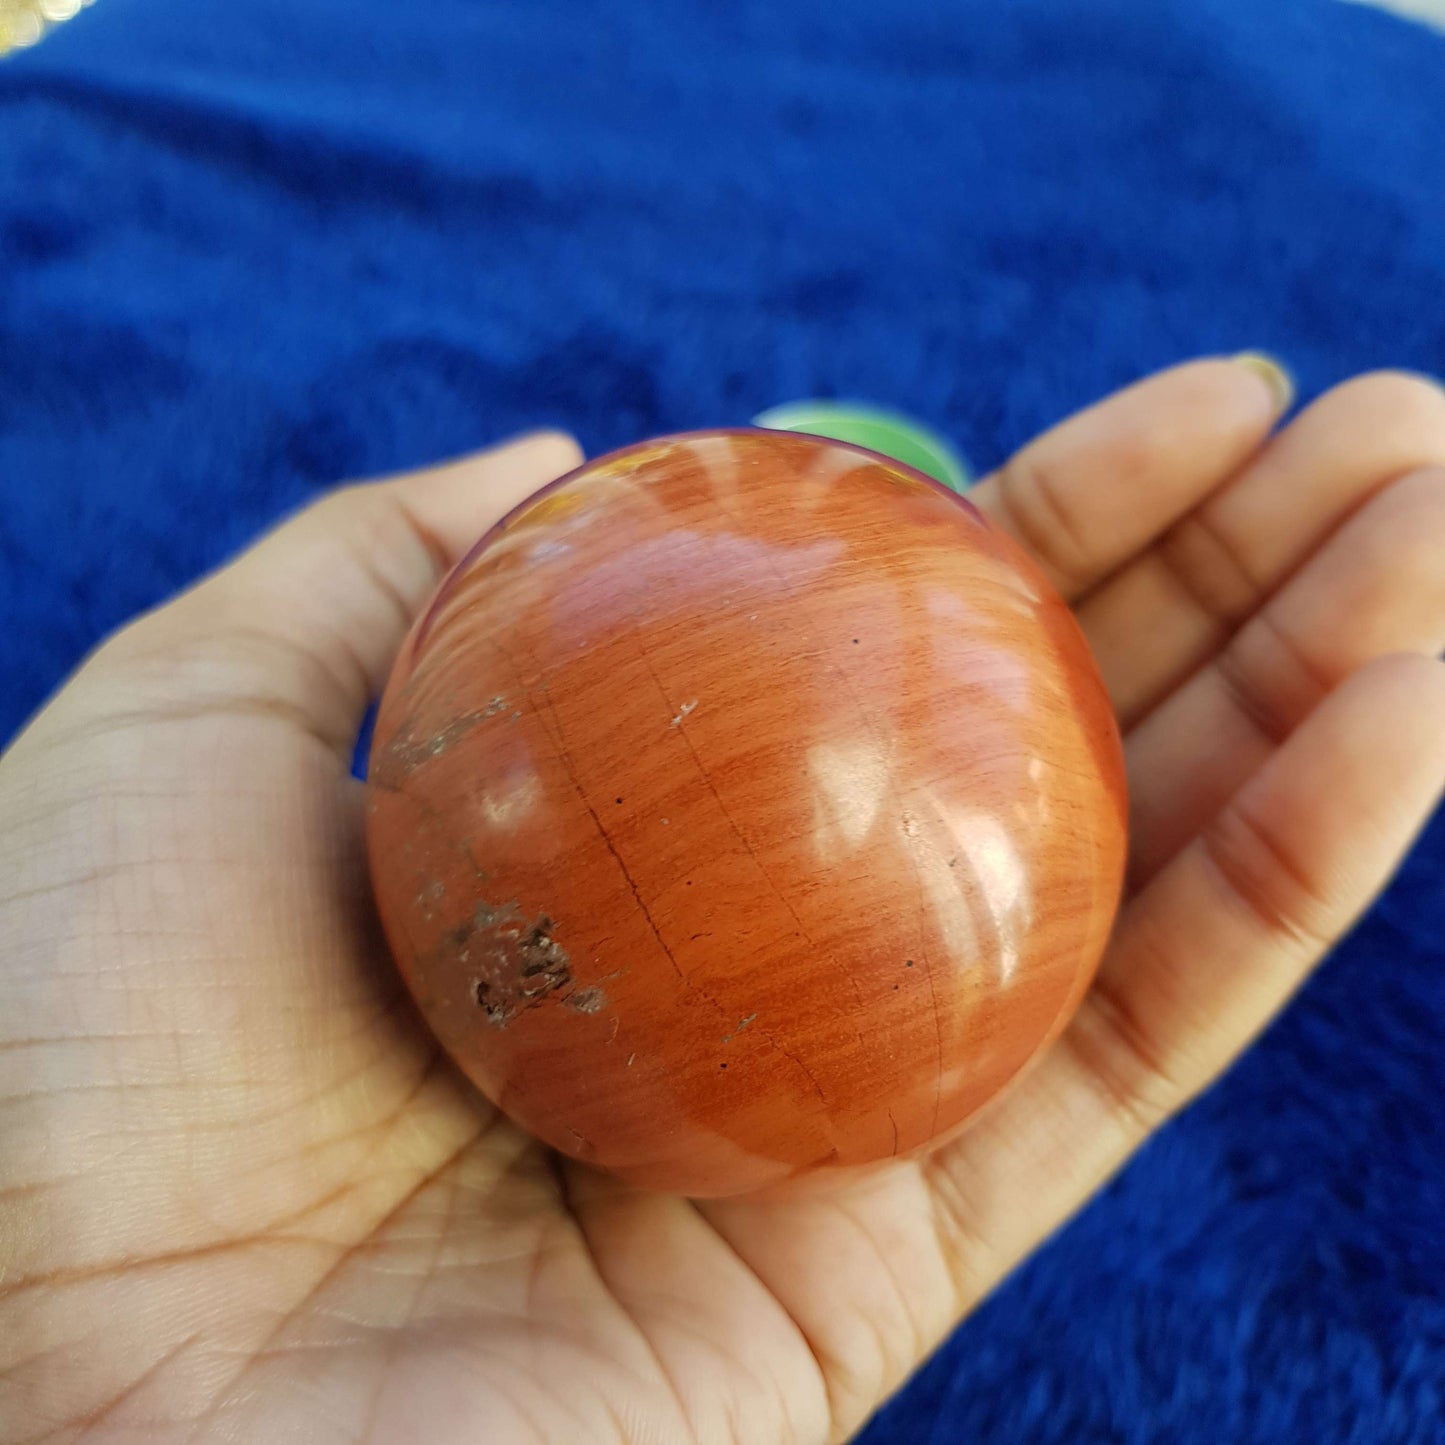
<point>1211,949</point>
<point>1219,941</point>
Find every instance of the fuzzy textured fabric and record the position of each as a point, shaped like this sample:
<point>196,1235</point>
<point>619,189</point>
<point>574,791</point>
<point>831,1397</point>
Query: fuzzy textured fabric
<point>251,247</point>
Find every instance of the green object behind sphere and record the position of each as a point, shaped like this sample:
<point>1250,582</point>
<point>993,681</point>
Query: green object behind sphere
<point>887,432</point>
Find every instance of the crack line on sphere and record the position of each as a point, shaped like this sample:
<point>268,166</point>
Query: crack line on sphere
<point>697,762</point>
<point>737,831</point>
<point>792,592</point>
<point>552,725</point>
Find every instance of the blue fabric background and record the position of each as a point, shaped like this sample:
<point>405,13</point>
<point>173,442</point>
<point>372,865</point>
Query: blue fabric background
<point>250,247</point>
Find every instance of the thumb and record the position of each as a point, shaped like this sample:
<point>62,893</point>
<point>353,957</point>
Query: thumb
<point>306,623</point>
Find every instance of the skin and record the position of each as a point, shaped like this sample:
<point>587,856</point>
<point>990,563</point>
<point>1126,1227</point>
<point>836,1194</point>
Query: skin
<point>242,1198</point>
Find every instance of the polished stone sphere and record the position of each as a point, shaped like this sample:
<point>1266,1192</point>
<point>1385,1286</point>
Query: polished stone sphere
<point>745,806</point>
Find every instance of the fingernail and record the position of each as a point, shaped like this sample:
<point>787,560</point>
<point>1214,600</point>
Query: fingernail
<point>1426,377</point>
<point>1274,376</point>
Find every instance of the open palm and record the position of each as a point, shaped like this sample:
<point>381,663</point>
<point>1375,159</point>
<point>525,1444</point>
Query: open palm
<point>242,1197</point>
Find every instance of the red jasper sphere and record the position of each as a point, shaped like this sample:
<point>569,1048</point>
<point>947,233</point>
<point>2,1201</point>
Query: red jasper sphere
<point>745,805</point>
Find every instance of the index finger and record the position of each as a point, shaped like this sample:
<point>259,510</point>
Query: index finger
<point>1092,492</point>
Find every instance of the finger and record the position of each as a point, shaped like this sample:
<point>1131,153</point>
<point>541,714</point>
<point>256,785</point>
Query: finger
<point>1377,587</point>
<point>1214,568</point>
<point>1203,958</point>
<point>308,621</point>
<point>1089,494</point>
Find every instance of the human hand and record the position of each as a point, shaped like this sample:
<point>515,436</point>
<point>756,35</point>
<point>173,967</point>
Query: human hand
<point>243,1198</point>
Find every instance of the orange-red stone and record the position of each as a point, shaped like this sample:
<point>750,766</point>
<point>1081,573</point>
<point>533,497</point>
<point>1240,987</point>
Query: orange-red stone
<point>745,805</point>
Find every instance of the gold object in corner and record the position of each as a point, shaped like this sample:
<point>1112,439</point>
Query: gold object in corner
<point>23,22</point>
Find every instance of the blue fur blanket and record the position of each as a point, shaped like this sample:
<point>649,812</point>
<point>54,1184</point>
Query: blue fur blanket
<point>251,247</point>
